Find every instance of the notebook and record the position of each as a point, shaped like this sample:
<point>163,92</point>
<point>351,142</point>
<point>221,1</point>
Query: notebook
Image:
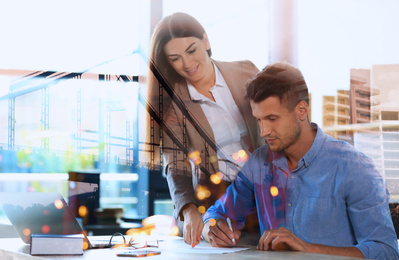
<point>43,213</point>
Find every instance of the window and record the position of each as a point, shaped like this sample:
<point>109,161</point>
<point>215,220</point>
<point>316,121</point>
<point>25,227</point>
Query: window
<point>69,87</point>
<point>351,46</point>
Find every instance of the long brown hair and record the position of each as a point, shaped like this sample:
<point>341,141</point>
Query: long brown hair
<point>177,25</point>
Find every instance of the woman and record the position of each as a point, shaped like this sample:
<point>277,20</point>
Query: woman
<point>210,91</point>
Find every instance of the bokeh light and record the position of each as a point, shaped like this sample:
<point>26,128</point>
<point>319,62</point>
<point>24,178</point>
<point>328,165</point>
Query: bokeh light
<point>175,231</point>
<point>45,229</point>
<point>213,159</point>
<point>242,154</point>
<point>72,185</point>
<point>26,232</point>
<point>202,192</point>
<point>85,245</point>
<point>83,211</point>
<point>58,204</point>
<point>201,209</point>
<point>195,157</point>
<point>274,191</point>
<point>212,222</point>
<point>215,178</point>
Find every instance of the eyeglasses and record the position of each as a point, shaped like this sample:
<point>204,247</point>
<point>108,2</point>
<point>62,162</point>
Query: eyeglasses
<point>143,243</point>
<point>135,243</point>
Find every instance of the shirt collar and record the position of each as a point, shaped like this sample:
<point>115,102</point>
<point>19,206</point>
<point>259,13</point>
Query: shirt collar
<point>314,149</point>
<point>219,82</point>
<point>280,160</point>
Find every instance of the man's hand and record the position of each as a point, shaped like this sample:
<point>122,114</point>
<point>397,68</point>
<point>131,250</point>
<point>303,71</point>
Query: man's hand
<point>193,225</point>
<point>218,234</point>
<point>281,239</point>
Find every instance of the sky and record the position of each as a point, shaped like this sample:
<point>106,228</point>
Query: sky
<point>337,35</point>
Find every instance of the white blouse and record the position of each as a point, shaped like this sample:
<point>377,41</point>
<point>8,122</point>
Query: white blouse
<point>226,121</point>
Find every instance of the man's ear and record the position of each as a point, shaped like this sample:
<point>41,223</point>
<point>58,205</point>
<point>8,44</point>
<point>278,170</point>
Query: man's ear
<point>303,110</point>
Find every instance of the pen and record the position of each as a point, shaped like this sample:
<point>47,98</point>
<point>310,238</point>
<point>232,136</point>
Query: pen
<point>231,228</point>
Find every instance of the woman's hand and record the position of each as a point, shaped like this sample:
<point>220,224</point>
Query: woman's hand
<point>193,225</point>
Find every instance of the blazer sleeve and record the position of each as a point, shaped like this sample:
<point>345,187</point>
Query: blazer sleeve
<point>178,167</point>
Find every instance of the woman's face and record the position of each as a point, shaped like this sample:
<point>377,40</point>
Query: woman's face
<point>189,58</point>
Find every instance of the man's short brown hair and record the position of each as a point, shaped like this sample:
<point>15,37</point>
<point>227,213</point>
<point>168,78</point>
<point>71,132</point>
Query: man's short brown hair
<point>279,79</point>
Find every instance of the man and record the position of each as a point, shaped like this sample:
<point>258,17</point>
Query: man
<point>312,192</point>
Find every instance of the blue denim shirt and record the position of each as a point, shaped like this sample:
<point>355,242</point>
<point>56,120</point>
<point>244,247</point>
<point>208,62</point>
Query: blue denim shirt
<point>335,197</point>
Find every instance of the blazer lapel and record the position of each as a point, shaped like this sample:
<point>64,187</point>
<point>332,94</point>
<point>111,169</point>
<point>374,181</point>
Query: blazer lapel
<point>196,111</point>
<point>236,85</point>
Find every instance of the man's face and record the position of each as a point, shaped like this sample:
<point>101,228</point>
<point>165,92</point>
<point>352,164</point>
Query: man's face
<point>279,126</point>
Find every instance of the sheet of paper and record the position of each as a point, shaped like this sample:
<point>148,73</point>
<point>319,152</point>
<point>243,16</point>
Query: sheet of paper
<point>205,248</point>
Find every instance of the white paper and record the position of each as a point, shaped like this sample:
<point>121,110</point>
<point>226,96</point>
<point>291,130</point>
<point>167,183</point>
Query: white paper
<point>205,248</point>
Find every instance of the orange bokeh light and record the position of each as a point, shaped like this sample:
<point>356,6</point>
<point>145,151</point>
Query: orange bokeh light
<point>58,204</point>
<point>212,222</point>
<point>235,156</point>
<point>202,192</point>
<point>85,245</point>
<point>82,211</point>
<point>201,209</point>
<point>45,229</point>
<point>175,231</point>
<point>215,178</point>
<point>26,232</point>
<point>274,191</point>
<point>195,157</point>
<point>242,154</point>
<point>200,195</point>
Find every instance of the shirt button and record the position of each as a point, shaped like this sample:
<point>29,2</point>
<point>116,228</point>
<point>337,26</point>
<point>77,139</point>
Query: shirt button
<point>292,176</point>
<point>289,204</point>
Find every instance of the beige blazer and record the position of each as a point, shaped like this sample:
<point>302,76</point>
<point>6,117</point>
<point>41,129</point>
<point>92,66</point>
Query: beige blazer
<point>181,177</point>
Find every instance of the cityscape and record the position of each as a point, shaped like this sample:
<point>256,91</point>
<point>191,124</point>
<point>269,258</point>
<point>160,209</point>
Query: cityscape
<point>59,122</point>
<point>367,116</point>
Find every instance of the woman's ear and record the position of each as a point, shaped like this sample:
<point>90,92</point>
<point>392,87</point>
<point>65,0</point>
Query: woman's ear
<point>206,41</point>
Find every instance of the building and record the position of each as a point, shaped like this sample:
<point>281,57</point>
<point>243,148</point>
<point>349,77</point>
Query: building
<point>336,114</point>
<point>367,116</point>
<point>385,78</point>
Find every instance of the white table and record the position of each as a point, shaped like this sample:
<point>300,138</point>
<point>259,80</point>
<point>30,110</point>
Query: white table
<point>171,248</point>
